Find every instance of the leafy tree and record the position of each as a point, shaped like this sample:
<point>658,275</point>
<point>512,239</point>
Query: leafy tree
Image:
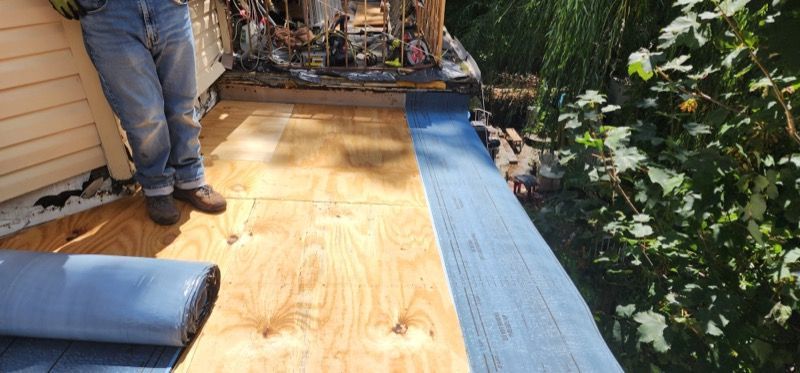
<point>695,183</point>
<point>570,43</point>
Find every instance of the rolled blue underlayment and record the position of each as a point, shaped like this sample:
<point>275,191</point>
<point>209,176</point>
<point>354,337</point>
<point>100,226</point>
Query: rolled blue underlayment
<point>102,298</point>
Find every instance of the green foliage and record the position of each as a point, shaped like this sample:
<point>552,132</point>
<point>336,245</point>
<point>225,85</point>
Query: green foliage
<point>570,43</point>
<point>573,45</point>
<point>682,204</point>
<point>504,37</point>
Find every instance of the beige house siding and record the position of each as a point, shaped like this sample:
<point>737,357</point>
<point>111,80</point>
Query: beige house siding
<point>49,115</point>
<point>54,120</point>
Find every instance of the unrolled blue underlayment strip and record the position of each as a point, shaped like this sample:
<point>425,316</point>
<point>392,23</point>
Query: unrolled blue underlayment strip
<point>56,355</point>
<point>519,311</point>
<point>96,313</point>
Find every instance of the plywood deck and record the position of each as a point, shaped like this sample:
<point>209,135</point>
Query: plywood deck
<point>327,249</point>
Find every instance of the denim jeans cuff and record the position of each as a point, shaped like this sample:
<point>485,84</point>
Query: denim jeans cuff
<point>156,192</point>
<point>191,184</point>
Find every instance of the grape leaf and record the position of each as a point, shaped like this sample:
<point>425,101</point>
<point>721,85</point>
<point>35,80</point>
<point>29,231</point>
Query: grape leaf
<point>668,179</point>
<point>730,7</point>
<point>627,158</point>
<point>625,311</point>
<point>639,63</point>
<point>651,329</point>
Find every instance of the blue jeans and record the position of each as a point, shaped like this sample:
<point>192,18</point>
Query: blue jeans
<point>144,53</point>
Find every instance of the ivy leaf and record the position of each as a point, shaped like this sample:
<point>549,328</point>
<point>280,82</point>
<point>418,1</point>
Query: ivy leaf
<point>760,84</point>
<point>639,63</point>
<point>728,61</point>
<point>756,207</point>
<point>686,4</point>
<point>640,230</point>
<point>677,64</point>
<point>617,137</point>
<point>566,156</point>
<point>709,15</point>
<point>772,188</point>
<point>788,260</point>
<point>566,116</point>
<point>703,74</point>
<point>730,7</point>
<point>591,98</point>
<point>627,159</point>
<point>668,179</point>
<point>648,103</point>
<point>753,229</point>
<point>760,183</point>
<point>713,329</point>
<point>779,313</point>
<point>625,311</point>
<point>651,329</point>
<point>793,159</point>
<point>697,129</point>
<point>572,120</point>
<point>679,27</point>
<point>588,141</point>
<point>616,331</point>
<point>594,176</point>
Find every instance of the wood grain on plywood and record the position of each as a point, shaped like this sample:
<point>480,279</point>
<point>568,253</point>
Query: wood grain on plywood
<point>328,255</point>
<point>242,179</point>
<point>327,286</point>
<point>255,139</point>
<point>122,228</point>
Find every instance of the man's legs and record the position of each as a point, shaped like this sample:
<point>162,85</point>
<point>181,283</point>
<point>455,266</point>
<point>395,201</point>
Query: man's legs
<point>174,55</point>
<point>118,43</point>
<point>144,53</point>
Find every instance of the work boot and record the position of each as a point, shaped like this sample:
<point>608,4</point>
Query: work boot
<point>203,198</point>
<point>162,210</point>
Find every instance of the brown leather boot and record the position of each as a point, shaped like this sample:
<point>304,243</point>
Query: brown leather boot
<point>162,210</point>
<point>203,198</point>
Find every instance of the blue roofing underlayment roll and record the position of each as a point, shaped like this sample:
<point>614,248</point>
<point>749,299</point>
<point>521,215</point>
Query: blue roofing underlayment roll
<point>104,298</point>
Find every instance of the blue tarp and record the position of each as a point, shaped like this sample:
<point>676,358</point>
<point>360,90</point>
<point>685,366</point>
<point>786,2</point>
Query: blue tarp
<point>519,311</point>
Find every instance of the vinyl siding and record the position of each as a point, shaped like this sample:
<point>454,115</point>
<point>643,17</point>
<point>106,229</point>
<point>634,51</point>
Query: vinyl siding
<point>48,131</point>
<point>54,120</point>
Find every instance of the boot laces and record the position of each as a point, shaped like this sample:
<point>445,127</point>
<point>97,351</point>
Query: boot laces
<point>204,191</point>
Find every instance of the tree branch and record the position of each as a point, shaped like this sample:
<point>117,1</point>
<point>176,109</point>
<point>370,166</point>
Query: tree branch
<point>776,91</point>
<point>697,93</point>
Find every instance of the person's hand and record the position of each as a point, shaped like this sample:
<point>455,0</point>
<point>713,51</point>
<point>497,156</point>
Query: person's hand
<point>70,9</point>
